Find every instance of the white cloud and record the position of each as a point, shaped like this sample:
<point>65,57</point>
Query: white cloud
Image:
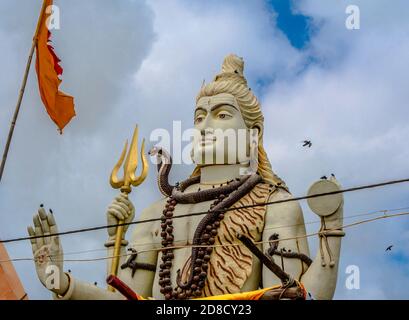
<point>352,103</point>
<point>101,47</point>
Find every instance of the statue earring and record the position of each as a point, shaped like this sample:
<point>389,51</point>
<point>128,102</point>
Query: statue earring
<point>253,158</point>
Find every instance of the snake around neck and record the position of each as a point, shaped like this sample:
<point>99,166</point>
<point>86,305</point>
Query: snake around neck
<point>224,197</point>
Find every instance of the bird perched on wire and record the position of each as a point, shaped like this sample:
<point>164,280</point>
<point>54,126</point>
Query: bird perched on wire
<point>307,143</point>
<point>389,248</point>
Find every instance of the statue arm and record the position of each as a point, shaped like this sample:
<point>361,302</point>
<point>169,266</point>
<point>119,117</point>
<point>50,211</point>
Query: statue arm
<point>284,221</point>
<point>321,280</point>
<point>321,277</point>
<point>141,282</point>
<point>81,290</point>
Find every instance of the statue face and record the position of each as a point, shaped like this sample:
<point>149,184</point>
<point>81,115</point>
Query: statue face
<point>221,133</point>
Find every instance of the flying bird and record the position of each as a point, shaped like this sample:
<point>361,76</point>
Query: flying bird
<point>389,248</point>
<point>307,143</point>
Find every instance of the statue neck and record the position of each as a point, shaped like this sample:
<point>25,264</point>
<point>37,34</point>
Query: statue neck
<point>217,174</point>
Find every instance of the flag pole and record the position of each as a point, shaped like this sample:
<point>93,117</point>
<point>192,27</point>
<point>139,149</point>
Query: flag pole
<point>22,89</point>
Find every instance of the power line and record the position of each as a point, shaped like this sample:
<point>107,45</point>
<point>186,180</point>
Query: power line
<point>368,186</point>
<point>133,245</point>
<point>219,245</point>
<point>344,218</point>
<point>384,211</point>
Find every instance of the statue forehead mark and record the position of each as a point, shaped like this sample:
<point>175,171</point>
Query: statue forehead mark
<point>209,102</point>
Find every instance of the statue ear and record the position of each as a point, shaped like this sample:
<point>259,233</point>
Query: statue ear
<point>258,130</point>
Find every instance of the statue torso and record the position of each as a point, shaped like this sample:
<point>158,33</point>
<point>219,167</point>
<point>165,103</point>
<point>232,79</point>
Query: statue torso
<point>232,268</point>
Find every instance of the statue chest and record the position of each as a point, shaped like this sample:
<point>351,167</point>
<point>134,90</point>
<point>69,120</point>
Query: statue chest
<point>231,264</point>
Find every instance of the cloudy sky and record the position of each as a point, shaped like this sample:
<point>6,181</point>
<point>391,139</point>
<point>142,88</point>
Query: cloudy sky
<point>129,61</point>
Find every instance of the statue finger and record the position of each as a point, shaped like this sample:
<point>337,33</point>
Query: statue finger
<point>121,206</point>
<point>44,223</point>
<point>120,198</point>
<point>52,223</point>
<point>123,195</point>
<point>128,203</point>
<point>117,214</point>
<point>124,200</point>
<point>45,229</point>
<point>33,241</point>
<point>53,228</point>
<point>41,213</point>
<point>38,231</point>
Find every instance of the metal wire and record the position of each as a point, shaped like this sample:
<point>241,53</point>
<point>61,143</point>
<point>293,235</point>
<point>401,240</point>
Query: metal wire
<point>362,187</point>
<point>385,216</point>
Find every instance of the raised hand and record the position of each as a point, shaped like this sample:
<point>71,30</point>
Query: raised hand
<point>47,251</point>
<point>121,209</point>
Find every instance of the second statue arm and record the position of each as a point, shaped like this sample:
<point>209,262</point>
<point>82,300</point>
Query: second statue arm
<point>321,277</point>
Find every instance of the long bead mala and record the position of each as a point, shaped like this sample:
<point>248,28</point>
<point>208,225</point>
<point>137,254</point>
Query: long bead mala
<point>203,257</point>
<point>204,235</point>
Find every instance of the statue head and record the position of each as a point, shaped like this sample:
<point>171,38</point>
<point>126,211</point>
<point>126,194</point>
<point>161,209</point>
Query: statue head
<point>227,103</point>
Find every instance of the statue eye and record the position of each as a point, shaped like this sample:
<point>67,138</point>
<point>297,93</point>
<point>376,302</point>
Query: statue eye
<point>199,119</point>
<point>224,115</point>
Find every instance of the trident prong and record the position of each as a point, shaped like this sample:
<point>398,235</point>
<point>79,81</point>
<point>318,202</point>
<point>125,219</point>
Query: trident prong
<point>130,166</point>
<point>115,182</point>
<point>125,184</point>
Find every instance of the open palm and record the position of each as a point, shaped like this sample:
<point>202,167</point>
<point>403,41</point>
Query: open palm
<point>46,247</point>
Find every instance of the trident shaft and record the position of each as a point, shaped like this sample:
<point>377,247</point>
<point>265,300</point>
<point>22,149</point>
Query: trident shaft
<point>125,185</point>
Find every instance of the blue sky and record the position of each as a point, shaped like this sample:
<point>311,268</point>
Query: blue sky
<point>295,26</point>
<point>345,90</point>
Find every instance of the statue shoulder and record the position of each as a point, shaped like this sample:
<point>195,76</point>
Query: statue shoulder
<point>280,211</point>
<point>154,210</point>
<point>143,232</point>
<point>278,194</point>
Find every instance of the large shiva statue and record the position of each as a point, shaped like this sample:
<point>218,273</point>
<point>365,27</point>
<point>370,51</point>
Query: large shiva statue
<point>238,249</point>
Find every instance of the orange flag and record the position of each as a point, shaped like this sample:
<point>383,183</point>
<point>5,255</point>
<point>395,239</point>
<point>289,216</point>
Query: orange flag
<point>59,105</point>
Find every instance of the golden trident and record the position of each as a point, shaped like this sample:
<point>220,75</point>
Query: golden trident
<point>129,179</point>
